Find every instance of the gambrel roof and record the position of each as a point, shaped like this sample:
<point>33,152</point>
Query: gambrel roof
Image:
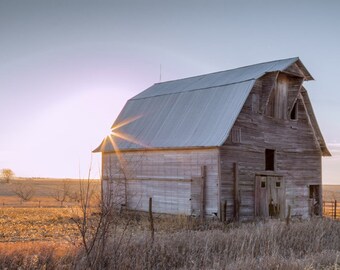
<point>192,112</point>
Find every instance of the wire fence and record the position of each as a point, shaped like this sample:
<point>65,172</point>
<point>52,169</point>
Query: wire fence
<point>36,204</point>
<point>331,209</point>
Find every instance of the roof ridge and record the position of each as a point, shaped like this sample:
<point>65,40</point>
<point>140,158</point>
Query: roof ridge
<point>192,90</point>
<point>216,72</point>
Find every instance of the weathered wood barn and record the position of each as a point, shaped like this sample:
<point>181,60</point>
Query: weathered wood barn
<point>246,138</point>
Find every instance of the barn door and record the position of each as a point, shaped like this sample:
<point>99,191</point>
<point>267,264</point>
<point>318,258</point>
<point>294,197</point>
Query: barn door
<point>261,199</point>
<point>269,196</point>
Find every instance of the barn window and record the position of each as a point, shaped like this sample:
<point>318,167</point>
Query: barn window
<point>270,159</point>
<point>278,184</point>
<point>293,113</point>
<point>263,183</point>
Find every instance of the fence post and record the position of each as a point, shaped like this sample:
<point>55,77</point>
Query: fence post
<point>324,207</point>
<point>335,202</point>
<point>202,195</point>
<point>152,229</point>
<point>288,215</point>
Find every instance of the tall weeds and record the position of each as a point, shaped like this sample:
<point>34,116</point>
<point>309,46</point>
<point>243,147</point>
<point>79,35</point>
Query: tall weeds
<point>302,245</point>
<point>182,243</point>
<point>36,255</point>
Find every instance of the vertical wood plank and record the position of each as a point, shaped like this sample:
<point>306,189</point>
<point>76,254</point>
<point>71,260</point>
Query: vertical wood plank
<point>288,215</point>
<point>224,211</point>
<point>152,229</point>
<point>202,197</point>
<point>236,193</point>
<point>257,195</point>
<point>321,210</point>
<point>221,217</point>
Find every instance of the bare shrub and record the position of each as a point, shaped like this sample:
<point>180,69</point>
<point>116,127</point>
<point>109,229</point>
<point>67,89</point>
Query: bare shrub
<point>97,220</point>
<point>74,196</point>
<point>62,193</point>
<point>24,191</point>
<point>100,224</point>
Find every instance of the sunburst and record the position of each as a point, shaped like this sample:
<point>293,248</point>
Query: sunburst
<point>119,134</point>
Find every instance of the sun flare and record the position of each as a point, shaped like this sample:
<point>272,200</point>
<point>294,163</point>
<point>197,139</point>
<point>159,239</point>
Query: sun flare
<point>114,133</point>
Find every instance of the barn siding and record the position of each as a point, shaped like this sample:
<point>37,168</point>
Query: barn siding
<point>166,176</point>
<point>298,156</point>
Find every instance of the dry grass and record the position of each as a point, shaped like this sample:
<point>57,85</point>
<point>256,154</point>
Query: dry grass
<point>37,255</point>
<point>180,243</point>
<point>272,245</point>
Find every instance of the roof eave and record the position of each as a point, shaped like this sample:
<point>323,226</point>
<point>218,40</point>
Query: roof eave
<point>308,76</point>
<point>157,149</point>
<point>317,132</point>
<point>325,152</point>
<point>99,149</point>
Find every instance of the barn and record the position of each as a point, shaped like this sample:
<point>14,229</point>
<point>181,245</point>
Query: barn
<point>241,143</point>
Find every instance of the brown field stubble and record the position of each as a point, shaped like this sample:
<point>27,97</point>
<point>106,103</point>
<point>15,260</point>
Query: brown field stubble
<point>182,243</point>
<point>36,224</point>
<point>46,238</point>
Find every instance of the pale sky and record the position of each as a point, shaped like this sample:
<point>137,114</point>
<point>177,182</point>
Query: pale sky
<point>67,67</point>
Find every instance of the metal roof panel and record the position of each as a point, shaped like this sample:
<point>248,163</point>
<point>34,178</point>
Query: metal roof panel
<point>201,118</point>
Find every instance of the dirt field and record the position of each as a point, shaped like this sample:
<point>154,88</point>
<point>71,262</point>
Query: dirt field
<point>36,224</point>
<point>45,192</point>
<point>331,192</point>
